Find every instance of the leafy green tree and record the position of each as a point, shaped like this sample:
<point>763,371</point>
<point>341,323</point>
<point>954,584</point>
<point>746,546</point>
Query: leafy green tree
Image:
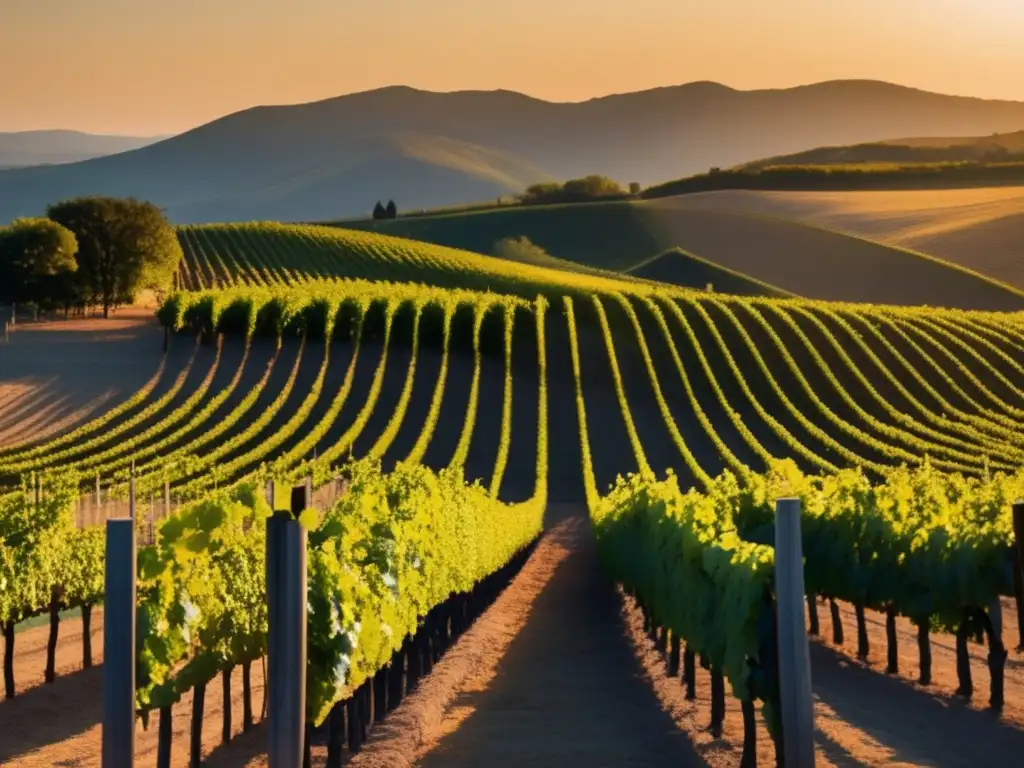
<point>634,187</point>
<point>379,212</point>
<point>391,210</point>
<point>37,258</point>
<point>545,191</point>
<point>124,246</point>
<point>591,187</point>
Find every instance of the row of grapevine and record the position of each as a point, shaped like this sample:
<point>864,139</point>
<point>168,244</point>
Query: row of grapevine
<point>933,546</point>
<point>390,551</point>
<point>46,565</point>
<point>222,462</point>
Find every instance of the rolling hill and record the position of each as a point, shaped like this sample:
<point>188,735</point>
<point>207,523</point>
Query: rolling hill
<point>980,229</point>
<point>334,158</point>
<point>678,267</point>
<point>794,257</point>
<point>25,148</point>
<point>544,404</point>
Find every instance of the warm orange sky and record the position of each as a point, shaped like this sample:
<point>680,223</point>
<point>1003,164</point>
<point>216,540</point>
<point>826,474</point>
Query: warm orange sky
<point>160,66</point>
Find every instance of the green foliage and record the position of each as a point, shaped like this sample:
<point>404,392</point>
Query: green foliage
<point>854,175</point>
<point>124,246</point>
<point>680,555</point>
<point>280,255</point>
<point>202,596</point>
<point>593,187</point>
<point>391,549</point>
<point>37,263</point>
<point>43,557</point>
<point>931,546</point>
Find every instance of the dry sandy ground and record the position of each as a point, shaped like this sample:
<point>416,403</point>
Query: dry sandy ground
<point>982,229</point>
<point>56,375</point>
<point>558,672</point>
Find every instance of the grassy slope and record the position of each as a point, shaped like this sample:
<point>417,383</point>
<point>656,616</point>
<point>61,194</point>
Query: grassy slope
<point>974,228</point>
<point>679,267</point>
<point>798,259</point>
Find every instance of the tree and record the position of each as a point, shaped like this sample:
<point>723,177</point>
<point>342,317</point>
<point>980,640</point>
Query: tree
<point>37,256</point>
<point>634,187</point>
<point>591,187</point>
<point>379,212</point>
<point>391,210</point>
<point>542,192</point>
<point>124,246</point>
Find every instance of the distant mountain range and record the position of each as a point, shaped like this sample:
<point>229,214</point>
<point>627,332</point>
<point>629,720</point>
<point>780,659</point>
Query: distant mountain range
<point>24,148</point>
<point>337,157</point>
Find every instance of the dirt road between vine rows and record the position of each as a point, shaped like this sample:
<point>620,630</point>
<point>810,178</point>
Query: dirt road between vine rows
<point>559,672</point>
<point>581,684</point>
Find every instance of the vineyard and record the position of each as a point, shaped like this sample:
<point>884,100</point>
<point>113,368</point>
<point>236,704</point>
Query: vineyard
<point>459,397</point>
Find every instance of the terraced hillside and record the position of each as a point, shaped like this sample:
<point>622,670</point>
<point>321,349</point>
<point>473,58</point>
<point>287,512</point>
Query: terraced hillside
<point>545,389</point>
<point>801,260</point>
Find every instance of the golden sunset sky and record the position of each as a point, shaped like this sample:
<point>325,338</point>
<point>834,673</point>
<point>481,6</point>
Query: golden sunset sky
<point>163,66</point>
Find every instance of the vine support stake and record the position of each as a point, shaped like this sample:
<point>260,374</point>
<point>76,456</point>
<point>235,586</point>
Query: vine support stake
<point>286,623</point>
<point>797,707</point>
<point>119,643</point>
<point>1018,562</point>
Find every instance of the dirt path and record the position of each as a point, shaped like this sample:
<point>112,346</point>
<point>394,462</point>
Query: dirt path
<point>569,690</point>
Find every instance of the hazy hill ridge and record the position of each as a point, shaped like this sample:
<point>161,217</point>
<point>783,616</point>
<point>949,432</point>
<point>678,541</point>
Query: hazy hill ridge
<point>25,148</point>
<point>336,157</point>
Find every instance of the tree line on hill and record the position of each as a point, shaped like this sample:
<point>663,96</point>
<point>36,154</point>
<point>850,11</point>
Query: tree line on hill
<point>586,189</point>
<point>591,188</point>
<point>986,150</point>
<point>88,251</point>
<point>846,176</point>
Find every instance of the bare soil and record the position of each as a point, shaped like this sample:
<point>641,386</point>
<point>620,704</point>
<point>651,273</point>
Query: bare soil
<point>876,719</point>
<point>568,691</point>
<point>42,387</point>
